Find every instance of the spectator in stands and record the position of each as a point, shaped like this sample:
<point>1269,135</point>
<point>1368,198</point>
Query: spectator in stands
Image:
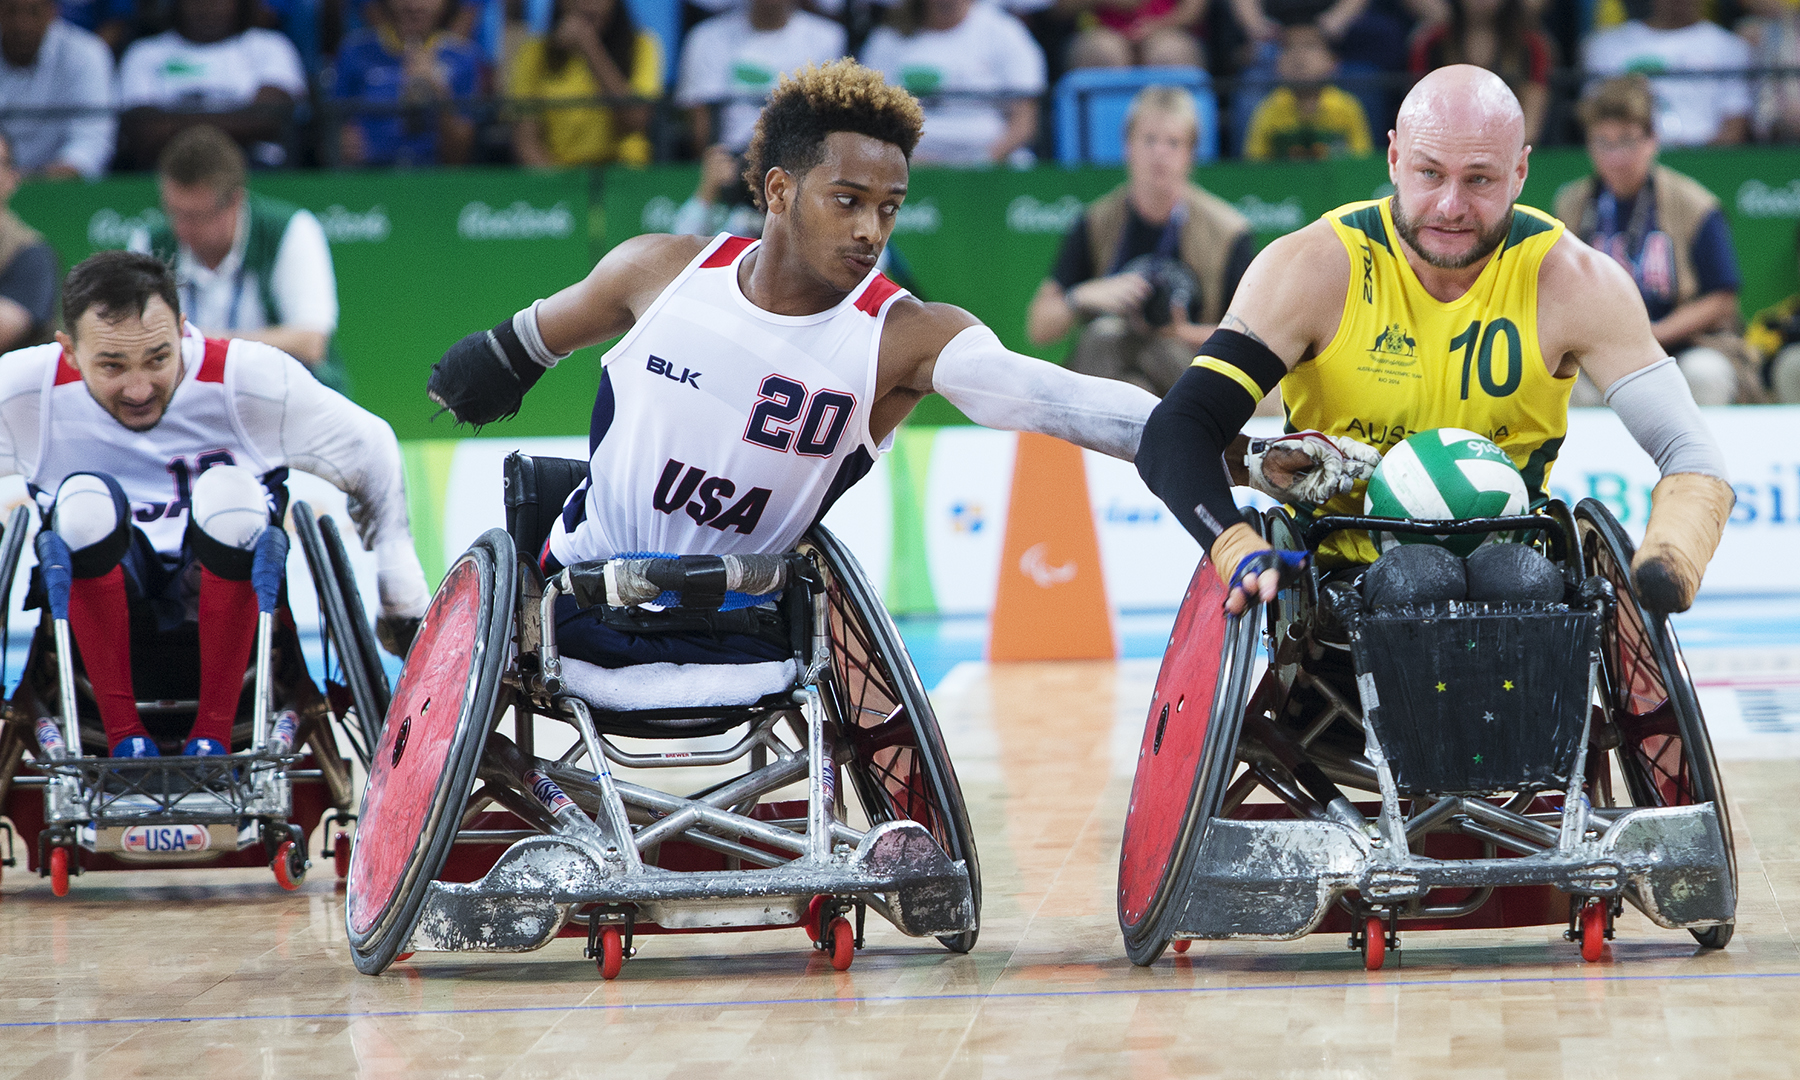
<point>1149,268</point>
<point>112,21</point>
<point>730,63</point>
<point>1132,33</point>
<point>1772,30</point>
<point>414,62</point>
<point>46,63</point>
<point>1367,36</point>
<point>1669,233</point>
<point>1675,38</point>
<point>248,265</point>
<point>216,68</point>
<point>1307,118</point>
<point>1775,335</point>
<point>595,50</point>
<point>721,202</point>
<point>28,271</point>
<point>977,52</point>
<point>1503,36</point>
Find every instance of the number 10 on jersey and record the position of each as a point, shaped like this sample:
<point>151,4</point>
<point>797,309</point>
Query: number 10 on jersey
<point>1480,358</point>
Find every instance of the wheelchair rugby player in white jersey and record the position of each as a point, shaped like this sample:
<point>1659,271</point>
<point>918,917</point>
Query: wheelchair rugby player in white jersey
<point>159,459</point>
<point>687,589</point>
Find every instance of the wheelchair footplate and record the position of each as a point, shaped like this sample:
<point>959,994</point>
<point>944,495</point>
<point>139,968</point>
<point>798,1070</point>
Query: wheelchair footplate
<point>175,809</point>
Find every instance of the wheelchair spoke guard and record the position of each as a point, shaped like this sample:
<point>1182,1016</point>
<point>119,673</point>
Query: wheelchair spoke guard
<point>425,761</point>
<point>900,767</point>
<point>1186,758</point>
<point>1664,752</point>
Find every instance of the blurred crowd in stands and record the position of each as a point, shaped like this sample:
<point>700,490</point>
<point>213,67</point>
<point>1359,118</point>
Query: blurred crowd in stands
<point>88,86</point>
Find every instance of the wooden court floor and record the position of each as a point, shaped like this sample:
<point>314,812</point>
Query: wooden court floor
<point>201,974</point>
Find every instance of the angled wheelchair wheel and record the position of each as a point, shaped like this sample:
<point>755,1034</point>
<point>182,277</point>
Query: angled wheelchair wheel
<point>1186,759</point>
<point>1664,752</point>
<point>12,546</point>
<point>424,764</point>
<point>346,627</point>
<point>899,768</point>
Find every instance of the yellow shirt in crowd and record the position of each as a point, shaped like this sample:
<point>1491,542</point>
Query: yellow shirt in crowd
<point>1278,132</point>
<point>586,136</point>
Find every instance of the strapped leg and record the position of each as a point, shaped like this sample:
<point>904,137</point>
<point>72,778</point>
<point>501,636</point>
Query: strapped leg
<point>230,511</point>
<point>94,519</point>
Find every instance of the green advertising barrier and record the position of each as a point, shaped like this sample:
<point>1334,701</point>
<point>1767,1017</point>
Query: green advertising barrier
<point>425,257</point>
<point>421,259</point>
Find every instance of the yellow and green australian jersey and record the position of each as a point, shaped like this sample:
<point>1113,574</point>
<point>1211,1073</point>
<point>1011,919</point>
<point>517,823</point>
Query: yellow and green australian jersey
<point>1403,361</point>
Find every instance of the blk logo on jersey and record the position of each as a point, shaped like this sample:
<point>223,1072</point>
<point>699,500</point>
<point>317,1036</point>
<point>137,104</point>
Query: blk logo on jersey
<point>705,498</point>
<point>658,366</point>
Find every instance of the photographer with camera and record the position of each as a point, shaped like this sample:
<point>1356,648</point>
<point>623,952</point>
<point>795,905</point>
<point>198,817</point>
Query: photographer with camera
<point>1150,266</point>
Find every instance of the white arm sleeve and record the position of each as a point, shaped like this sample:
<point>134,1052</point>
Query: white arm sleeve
<point>295,420</point>
<point>999,388</point>
<point>302,279</point>
<point>1658,409</point>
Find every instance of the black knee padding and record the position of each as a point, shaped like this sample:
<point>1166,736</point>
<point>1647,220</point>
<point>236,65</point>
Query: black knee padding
<point>1415,574</point>
<point>1513,572</point>
<point>97,559</point>
<point>225,561</point>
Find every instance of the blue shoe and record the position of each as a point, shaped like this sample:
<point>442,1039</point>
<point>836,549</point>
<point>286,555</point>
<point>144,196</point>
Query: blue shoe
<point>136,746</point>
<point>204,748</point>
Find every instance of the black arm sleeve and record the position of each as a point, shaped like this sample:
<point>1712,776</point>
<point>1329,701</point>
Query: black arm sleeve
<point>1181,457</point>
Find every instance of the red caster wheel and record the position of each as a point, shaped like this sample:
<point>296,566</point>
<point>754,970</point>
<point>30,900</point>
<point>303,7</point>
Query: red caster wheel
<point>843,943</point>
<point>815,924</point>
<point>59,871</point>
<point>1374,945</point>
<point>289,870</point>
<point>403,958</point>
<point>340,848</point>
<point>612,953</point>
<point>1181,945</point>
<point>1593,930</point>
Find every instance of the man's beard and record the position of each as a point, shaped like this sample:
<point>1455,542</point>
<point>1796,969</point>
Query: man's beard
<point>1486,243</point>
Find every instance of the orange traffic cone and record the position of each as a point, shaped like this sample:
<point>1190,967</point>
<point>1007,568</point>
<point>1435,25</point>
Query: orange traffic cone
<point>1051,603</point>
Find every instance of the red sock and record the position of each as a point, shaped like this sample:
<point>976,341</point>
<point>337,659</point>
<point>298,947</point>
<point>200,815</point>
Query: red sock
<point>100,619</point>
<point>227,635</point>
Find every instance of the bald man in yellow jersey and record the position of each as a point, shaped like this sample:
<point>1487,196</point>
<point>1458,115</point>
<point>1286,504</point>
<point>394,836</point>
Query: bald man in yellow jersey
<point>1443,305</point>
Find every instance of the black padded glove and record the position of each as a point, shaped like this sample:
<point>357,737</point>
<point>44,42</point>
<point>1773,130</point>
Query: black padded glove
<point>484,377</point>
<point>396,633</point>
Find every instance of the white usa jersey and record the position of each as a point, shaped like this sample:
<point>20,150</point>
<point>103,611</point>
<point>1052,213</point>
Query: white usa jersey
<point>721,428</point>
<point>157,468</point>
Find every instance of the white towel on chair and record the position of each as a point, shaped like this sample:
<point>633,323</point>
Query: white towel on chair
<point>676,686</point>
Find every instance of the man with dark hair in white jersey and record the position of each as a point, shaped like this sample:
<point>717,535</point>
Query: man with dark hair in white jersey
<point>757,380</point>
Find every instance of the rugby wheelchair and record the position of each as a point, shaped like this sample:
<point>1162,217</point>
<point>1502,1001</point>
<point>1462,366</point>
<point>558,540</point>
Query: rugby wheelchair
<point>821,794</point>
<point>75,809</point>
<point>1452,765</point>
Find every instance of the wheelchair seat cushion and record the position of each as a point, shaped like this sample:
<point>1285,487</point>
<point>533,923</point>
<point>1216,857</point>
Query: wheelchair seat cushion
<point>677,686</point>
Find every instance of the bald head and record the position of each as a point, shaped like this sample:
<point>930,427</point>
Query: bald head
<point>1466,99</point>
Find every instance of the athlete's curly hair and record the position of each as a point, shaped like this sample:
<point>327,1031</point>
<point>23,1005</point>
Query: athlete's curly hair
<point>816,101</point>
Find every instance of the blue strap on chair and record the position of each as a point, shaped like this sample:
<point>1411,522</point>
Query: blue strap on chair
<point>269,568</point>
<point>53,564</point>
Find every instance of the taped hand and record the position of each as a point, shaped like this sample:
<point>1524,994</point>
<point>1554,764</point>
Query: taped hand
<point>1309,466</point>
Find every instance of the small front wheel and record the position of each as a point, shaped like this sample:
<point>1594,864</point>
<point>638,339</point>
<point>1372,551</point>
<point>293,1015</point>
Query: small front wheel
<point>1374,943</point>
<point>340,853</point>
<point>289,866</point>
<point>612,953</point>
<point>1593,930</point>
<point>843,943</point>
<point>59,871</point>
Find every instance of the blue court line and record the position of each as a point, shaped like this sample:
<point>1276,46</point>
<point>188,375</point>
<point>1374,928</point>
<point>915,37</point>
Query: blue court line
<point>901,999</point>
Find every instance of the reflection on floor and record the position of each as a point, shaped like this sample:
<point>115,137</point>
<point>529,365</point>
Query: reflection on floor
<point>218,973</point>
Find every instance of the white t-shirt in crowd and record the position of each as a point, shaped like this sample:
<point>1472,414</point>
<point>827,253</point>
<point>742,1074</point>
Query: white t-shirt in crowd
<point>227,298</point>
<point>990,51</point>
<point>726,60</point>
<point>169,71</point>
<point>73,68</point>
<point>1689,111</point>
